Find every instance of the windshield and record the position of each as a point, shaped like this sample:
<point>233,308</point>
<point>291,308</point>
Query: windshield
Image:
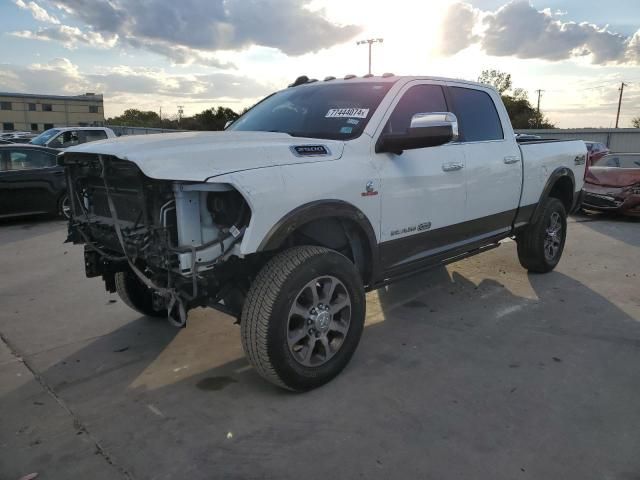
<point>331,111</point>
<point>619,161</point>
<point>44,137</point>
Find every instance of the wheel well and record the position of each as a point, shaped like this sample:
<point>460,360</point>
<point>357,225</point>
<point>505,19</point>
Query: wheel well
<point>337,233</point>
<point>563,191</point>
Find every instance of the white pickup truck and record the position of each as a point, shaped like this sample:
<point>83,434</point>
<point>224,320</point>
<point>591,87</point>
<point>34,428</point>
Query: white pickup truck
<point>66,137</point>
<point>319,193</point>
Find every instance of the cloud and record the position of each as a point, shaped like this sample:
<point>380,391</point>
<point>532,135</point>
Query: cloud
<point>190,30</point>
<point>518,29</point>
<point>61,76</point>
<point>457,30</point>
<point>39,13</point>
<point>70,37</point>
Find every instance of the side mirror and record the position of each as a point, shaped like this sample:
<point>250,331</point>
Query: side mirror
<point>426,130</point>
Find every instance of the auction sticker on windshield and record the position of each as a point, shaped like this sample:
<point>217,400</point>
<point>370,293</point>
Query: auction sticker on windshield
<point>347,113</point>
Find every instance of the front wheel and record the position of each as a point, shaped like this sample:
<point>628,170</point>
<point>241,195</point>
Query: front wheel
<point>541,244</point>
<point>303,317</point>
<point>64,206</point>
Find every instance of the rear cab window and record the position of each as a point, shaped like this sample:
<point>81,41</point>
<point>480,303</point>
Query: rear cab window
<point>477,115</point>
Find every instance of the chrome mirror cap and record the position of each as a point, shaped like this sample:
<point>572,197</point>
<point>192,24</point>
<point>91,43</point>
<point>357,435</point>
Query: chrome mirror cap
<point>437,119</point>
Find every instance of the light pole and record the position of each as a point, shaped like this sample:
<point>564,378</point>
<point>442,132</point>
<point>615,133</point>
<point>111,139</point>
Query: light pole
<point>370,41</point>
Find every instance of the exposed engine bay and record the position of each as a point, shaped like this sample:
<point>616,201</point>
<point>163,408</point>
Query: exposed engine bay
<point>178,238</point>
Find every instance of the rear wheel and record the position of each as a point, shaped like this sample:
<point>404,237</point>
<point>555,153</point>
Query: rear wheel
<point>136,294</point>
<point>303,317</point>
<point>541,245</point>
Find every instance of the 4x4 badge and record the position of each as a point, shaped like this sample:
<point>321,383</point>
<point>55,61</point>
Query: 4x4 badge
<point>369,190</point>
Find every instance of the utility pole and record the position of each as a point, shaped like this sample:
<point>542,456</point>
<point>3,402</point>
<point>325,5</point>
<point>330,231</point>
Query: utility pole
<point>539,95</point>
<point>180,112</point>
<point>620,102</point>
<point>370,41</point>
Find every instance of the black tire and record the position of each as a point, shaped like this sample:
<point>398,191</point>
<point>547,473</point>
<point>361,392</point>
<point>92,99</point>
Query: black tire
<point>266,316</point>
<point>64,207</point>
<point>136,294</point>
<point>531,242</point>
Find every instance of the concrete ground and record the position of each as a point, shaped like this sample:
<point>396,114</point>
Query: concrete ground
<point>475,371</point>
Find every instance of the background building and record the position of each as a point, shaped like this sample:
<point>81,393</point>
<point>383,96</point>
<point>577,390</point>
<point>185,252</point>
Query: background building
<point>36,113</point>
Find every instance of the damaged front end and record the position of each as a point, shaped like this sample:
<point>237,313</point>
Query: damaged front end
<point>179,239</point>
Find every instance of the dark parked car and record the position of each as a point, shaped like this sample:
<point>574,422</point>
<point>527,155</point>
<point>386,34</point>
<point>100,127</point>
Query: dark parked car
<point>31,182</point>
<point>613,184</point>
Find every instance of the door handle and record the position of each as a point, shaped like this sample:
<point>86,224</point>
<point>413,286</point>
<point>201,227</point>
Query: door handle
<point>452,166</point>
<point>511,159</point>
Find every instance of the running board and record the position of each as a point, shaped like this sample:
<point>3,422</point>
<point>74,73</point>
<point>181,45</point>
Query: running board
<point>437,263</point>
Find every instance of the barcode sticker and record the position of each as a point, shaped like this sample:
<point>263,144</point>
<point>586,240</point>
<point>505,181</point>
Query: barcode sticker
<point>347,113</point>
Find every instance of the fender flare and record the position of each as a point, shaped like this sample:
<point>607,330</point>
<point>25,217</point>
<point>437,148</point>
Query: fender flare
<point>556,175</point>
<point>316,210</point>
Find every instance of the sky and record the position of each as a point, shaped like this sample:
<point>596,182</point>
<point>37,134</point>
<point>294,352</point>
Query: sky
<point>158,54</point>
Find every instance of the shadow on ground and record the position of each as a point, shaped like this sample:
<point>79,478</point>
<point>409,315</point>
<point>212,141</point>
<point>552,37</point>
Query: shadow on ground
<point>619,227</point>
<point>454,378</point>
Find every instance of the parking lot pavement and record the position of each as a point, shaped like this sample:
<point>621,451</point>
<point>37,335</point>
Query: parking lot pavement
<point>474,371</point>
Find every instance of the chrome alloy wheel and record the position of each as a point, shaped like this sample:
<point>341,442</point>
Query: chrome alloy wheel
<point>318,321</point>
<point>553,237</point>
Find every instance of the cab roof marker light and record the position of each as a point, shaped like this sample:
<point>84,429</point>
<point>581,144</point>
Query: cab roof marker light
<point>299,81</point>
<point>349,77</point>
<point>328,79</point>
<point>368,75</point>
<point>387,75</point>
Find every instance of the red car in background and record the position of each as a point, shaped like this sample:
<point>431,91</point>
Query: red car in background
<point>612,183</point>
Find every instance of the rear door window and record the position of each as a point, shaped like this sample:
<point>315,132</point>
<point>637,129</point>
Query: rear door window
<point>92,135</point>
<point>477,115</point>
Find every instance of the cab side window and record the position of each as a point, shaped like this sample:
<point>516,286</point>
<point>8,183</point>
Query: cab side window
<point>418,99</point>
<point>30,159</point>
<point>65,139</point>
<point>477,114</point>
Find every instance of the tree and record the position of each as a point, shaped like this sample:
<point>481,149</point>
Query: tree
<point>210,119</point>
<point>136,118</point>
<point>636,122</point>
<point>516,101</point>
<point>501,81</point>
